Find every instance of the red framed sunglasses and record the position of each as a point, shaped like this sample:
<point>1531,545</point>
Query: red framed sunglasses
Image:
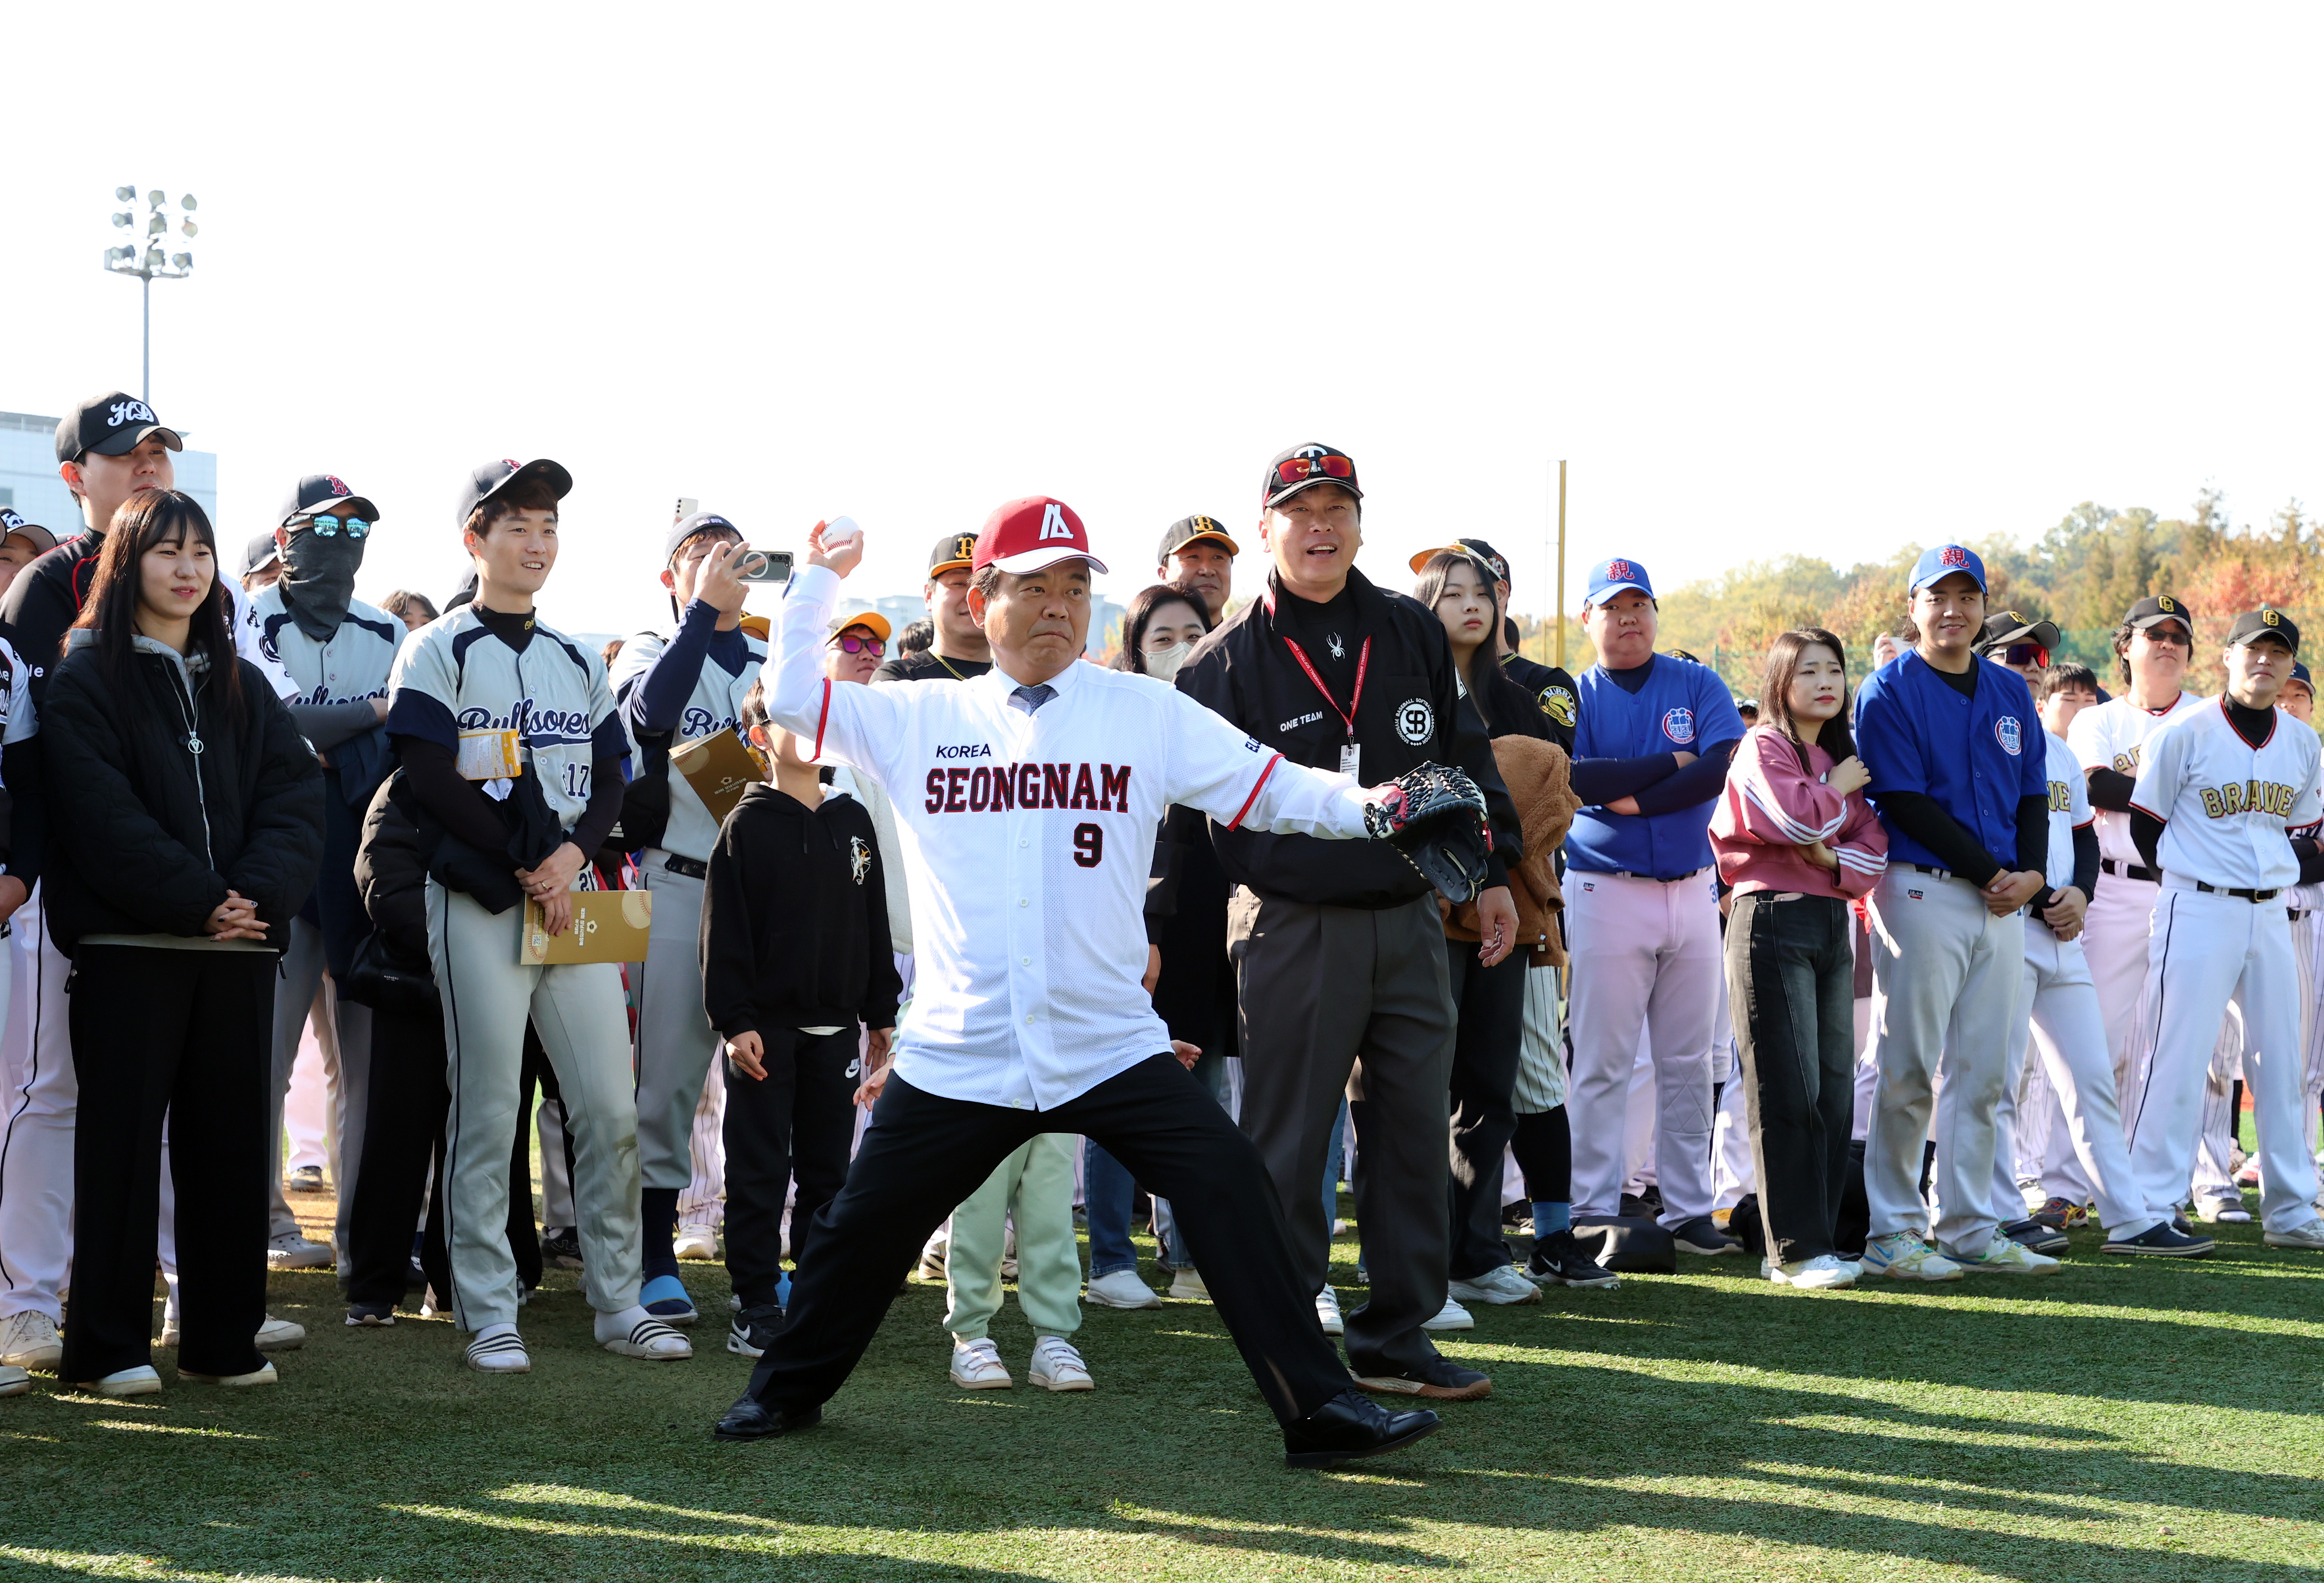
<point>1302,468</point>
<point>2032,655</point>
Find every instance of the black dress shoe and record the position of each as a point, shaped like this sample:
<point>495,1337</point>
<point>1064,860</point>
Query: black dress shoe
<point>751,1419</point>
<point>1351,1426</point>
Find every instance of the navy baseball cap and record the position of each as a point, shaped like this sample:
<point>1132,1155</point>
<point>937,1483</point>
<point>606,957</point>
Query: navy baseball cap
<point>491,478</point>
<point>1944,560</point>
<point>693,527</point>
<point>2300,673</point>
<point>2264,622</point>
<point>113,424</point>
<point>319,493</point>
<point>1611,576</point>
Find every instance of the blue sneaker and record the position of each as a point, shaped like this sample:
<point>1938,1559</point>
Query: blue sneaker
<point>664,1298</point>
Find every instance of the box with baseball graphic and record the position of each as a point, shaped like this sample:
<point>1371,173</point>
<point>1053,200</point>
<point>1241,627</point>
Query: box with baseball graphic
<point>608,926</point>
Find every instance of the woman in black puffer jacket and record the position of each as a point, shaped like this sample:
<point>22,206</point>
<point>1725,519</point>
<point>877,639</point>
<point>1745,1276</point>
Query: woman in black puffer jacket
<point>189,830</point>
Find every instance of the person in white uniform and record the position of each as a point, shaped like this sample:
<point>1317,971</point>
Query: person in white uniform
<point>2217,789</point>
<point>1027,801</point>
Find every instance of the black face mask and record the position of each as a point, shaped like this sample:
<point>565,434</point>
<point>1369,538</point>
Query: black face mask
<point>319,579</point>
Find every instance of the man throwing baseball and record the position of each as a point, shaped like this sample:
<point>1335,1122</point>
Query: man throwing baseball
<point>1027,802</point>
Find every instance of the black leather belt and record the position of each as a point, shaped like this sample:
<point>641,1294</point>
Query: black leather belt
<point>1689,873</point>
<point>2242,895</point>
<point>2295,914</point>
<point>2153,876</point>
<point>684,866</point>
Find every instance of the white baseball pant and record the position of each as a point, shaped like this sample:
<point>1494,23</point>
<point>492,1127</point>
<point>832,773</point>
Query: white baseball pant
<point>2208,951</point>
<point>1647,956</point>
<point>703,1202</point>
<point>2036,1113</point>
<point>1946,977</point>
<point>583,1025</point>
<point>301,975</point>
<point>38,1103</point>
<point>2215,1134</point>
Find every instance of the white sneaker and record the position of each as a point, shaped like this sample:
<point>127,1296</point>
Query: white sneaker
<point>696,1241</point>
<point>2311,1235</point>
<point>273,1335</point>
<point>1186,1286</point>
<point>1058,1367</point>
<point>30,1340</point>
<point>14,1381</point>
<point>1327,1313</point>
<point>144,1380</point>
<point>1902,1255</point>
<point>1450,1317</point>
<point>2004,1257</point>
<point>976,1366</point>
<point>1122,1289</point>
<point>1825,1272</point>
<point>2229,1211</point>
<point>263,1375</point>
<point>1500,1286</point>
<point>291,1250</point>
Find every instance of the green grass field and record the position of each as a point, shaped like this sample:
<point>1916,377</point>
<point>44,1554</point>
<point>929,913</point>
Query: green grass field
<point>2125,1420</point>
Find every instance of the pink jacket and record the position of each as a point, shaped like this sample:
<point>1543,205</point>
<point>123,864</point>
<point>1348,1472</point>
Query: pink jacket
<point>1771,808</point>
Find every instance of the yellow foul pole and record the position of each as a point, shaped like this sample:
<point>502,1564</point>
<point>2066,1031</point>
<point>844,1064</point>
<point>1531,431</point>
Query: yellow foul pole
<point>1557,610</point>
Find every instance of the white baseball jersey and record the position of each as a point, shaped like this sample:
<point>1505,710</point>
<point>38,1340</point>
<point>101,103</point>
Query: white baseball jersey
<point>2069,811</point>
<point>1026,839</point>
<point>2110,736</point>
<point>2227,804</point>
<point>352,667</point>
<point>714,705</point>
<point>454,679</point>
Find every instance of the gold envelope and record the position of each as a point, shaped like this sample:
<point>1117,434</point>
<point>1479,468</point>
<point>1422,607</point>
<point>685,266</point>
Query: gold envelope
<point>608,926</point>
<point>720,768</point>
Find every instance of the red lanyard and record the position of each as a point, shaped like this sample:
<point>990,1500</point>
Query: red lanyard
<point>1363,663</point>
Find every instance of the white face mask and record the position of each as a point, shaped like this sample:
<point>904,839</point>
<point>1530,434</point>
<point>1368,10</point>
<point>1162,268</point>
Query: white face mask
<point>1162,664</point>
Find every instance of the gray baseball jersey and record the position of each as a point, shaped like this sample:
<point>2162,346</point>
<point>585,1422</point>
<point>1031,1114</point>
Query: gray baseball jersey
<point>714,705</point>
<point>454,682</point>
<point>353,666</point>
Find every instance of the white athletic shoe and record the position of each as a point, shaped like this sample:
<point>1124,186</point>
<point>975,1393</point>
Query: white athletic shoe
<point>144,1380</point>
<point>2002,1256</point>
<point>976,1366</point>
<point>1450,1317</point>
<point>263,1375</point>
<point>291,1250</point>
<point>1058,1367</point>
<point>1187,1286</point>
<point>1902,1255</point>
<point>1500,1286</point>
<point>30,1340</point>
<point>696,1241</point>
<point>1327,1313</point>
<point>273,1335</point>
<point>14,1381</point>
<point>2224,1212</point>
<point>1122,1289</point>
<point>503,1353</point>
<point>2311,1235</point>
<point>1825,1272</point>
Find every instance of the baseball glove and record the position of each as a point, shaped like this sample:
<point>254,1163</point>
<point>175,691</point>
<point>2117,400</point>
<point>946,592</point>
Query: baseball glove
<point>1436,817</point>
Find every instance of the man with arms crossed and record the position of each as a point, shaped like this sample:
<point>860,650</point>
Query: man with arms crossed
<point>1959,774</point>
<point>1027,802</point>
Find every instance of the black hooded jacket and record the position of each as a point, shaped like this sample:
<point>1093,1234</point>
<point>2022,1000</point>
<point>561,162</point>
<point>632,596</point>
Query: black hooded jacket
<point>151,832</point>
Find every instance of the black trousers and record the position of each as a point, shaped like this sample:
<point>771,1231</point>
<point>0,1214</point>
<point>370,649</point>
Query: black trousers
<point>798,1120</point>
<point>403,1144</point>
<point>1488,1031</point>
<point>924,1154</point>
<point>1543,1144</point>
<point>1790,982</point>
<point>189,1035</point>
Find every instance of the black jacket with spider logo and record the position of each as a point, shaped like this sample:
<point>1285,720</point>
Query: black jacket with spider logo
<point>795,918</point>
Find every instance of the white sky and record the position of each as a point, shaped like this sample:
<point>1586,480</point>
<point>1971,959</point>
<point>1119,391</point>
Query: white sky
<point>1815,279</point>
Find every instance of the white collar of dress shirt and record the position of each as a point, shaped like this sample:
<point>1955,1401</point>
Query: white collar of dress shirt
<point>1062,680</point>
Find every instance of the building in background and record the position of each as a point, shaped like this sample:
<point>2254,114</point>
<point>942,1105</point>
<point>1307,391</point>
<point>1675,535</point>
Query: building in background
<point>28,482</point>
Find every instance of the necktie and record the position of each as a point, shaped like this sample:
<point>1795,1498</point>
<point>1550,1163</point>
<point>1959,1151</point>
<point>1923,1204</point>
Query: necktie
<point>1030,699</point>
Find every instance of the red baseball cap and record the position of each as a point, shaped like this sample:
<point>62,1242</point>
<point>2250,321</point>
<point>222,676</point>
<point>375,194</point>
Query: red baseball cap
<point>1026,535</point>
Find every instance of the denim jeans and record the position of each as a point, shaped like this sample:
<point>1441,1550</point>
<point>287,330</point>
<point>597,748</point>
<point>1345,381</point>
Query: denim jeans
<point>1108,1190</point>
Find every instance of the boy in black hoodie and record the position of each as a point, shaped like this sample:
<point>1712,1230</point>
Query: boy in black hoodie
<point>794,957</point>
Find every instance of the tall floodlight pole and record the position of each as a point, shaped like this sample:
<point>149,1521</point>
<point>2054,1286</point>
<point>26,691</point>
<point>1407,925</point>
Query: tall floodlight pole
<point>150,262</point>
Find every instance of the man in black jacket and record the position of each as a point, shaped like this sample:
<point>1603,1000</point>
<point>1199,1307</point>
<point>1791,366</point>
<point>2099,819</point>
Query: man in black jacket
<point>1338,949</point>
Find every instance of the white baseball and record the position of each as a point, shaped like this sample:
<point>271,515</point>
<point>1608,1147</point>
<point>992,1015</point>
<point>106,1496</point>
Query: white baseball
<point>840,531</point>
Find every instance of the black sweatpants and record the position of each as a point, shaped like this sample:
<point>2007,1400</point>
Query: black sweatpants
<point>1488,1033</point>
<point>924,1154</point>
<point>403,1143</point>
<point>797,1120</point>
<point>189,1035</point>
<point>1790,984</point>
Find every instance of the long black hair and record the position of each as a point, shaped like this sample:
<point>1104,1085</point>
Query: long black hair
<point>1497,697</point>
<point>1775,693</point>
<point>148,518</point>
<point>1139,614</point>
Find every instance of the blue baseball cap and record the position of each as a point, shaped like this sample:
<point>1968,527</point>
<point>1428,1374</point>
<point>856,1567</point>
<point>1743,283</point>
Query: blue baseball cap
<point>1943,560</point>
<point>1611,576</point>
<point>2300,673</point>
